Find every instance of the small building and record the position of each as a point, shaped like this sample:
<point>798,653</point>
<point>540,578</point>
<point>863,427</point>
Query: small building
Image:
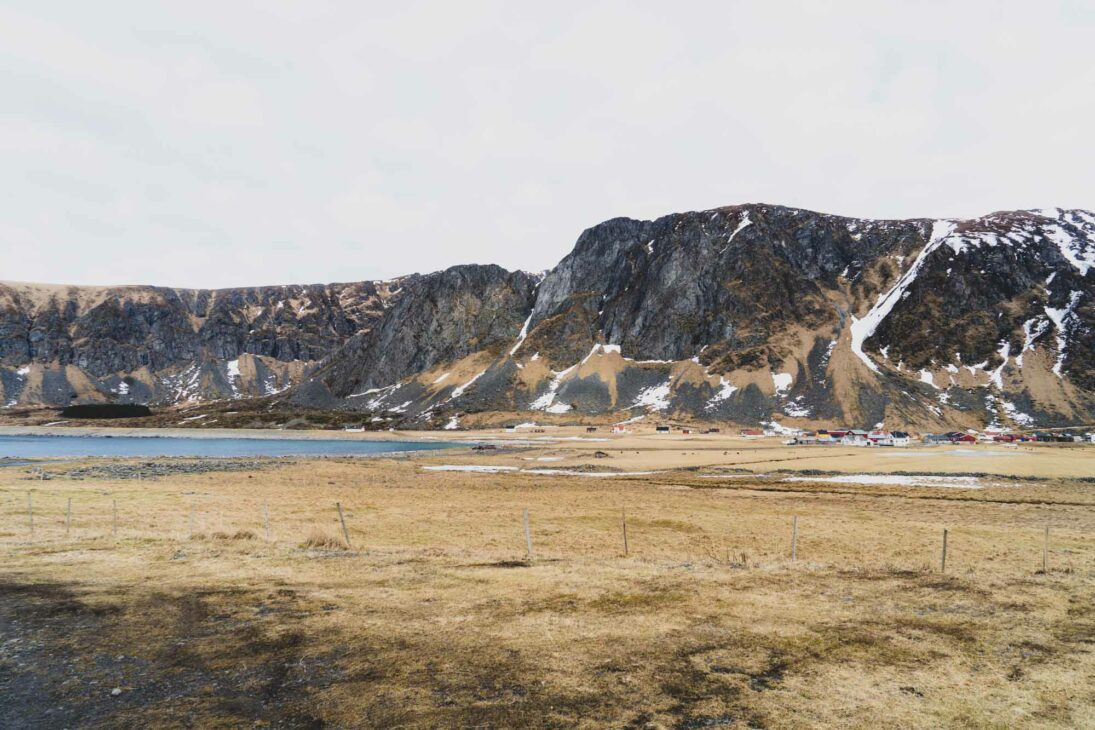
<point>880,438</point>
<point>855,437</point>
<point>661,429</point>
<point>619,428</point>
<point>899,439</point>
<point>752,433</point>
<point>965,438</point>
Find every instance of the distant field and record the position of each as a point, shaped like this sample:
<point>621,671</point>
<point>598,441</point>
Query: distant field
<point>434,617</point>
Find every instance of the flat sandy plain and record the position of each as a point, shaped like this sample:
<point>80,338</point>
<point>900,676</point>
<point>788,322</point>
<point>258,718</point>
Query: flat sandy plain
<point>187,611</point>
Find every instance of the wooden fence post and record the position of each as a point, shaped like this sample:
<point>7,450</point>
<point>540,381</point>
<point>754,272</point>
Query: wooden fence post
<point>794,538</point>
<point>1045,551</point>
<point>528,536</point>
<point>623,523</point>
<point>345,532</point>
<point>943,561</point>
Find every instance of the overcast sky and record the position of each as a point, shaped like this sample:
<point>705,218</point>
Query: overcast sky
<point>230,143</point>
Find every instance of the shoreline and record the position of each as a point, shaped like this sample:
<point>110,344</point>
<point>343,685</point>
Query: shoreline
<point>224,433</point>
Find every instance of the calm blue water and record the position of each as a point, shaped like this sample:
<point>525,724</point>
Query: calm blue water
<point>76,446</point>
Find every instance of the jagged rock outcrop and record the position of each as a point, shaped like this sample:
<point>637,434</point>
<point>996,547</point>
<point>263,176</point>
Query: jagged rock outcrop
<point>156,344</point>
<point>437,318</point>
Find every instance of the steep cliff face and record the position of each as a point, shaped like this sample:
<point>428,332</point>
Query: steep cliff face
<point>436,318</point>
<point>59,344</point>
<point>763,313</point>
<point>749,313</point>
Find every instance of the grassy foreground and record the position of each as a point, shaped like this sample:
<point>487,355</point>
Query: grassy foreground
<point>190,615</point>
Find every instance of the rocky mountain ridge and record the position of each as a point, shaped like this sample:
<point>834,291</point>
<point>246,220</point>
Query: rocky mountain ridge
<point>748,314</point>
<point>162,345</point>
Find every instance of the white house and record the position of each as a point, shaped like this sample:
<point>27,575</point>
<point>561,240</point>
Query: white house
<point>880,438</point>
<point>899,438</point>
<point>855,437</point>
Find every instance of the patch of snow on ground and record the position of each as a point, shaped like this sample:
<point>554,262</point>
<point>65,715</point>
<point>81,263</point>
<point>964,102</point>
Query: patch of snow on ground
<point>381,395</point>
<point>795,409</point>
<point>546,402</point>
<point>926,377</point>
<point>782,381</point>
<point>453,423</point>
<point>440,378</point>
<point>726,389</point>
<point>656,397</point>
<point>25,370</point>
<point>572,473</point>
<point>1023,419</point>
<point>470,467</point>
<point>459,391</point>
<point>895,480</point>
<point>184,384</point>
<point>862,329</point>
<point>780,429</point>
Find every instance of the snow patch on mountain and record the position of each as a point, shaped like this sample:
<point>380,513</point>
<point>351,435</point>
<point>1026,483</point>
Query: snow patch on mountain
<point>1078,252</point>
<point>996,377</point>
<point>546,402</point>
<point>926,377</point>
<point>232,368</point>
<point>656,397</point>
<point>726,389</point>
<point>1060,318</point>
<point>863,329</point>
<point>460,390</point>
<point>742,224</point>
<point>522,335</point>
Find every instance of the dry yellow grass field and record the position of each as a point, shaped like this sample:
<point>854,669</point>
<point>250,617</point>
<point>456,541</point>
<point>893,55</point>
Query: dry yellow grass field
<point>190,615</point>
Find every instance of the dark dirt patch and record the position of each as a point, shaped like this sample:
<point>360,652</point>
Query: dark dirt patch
<point>502,564</point>
<point>176,660</point>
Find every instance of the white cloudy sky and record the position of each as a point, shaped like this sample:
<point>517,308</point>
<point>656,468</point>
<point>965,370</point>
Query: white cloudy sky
<point>235,143</point>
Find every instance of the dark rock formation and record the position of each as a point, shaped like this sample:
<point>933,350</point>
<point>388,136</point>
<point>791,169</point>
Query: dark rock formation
<point>748,313</point>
